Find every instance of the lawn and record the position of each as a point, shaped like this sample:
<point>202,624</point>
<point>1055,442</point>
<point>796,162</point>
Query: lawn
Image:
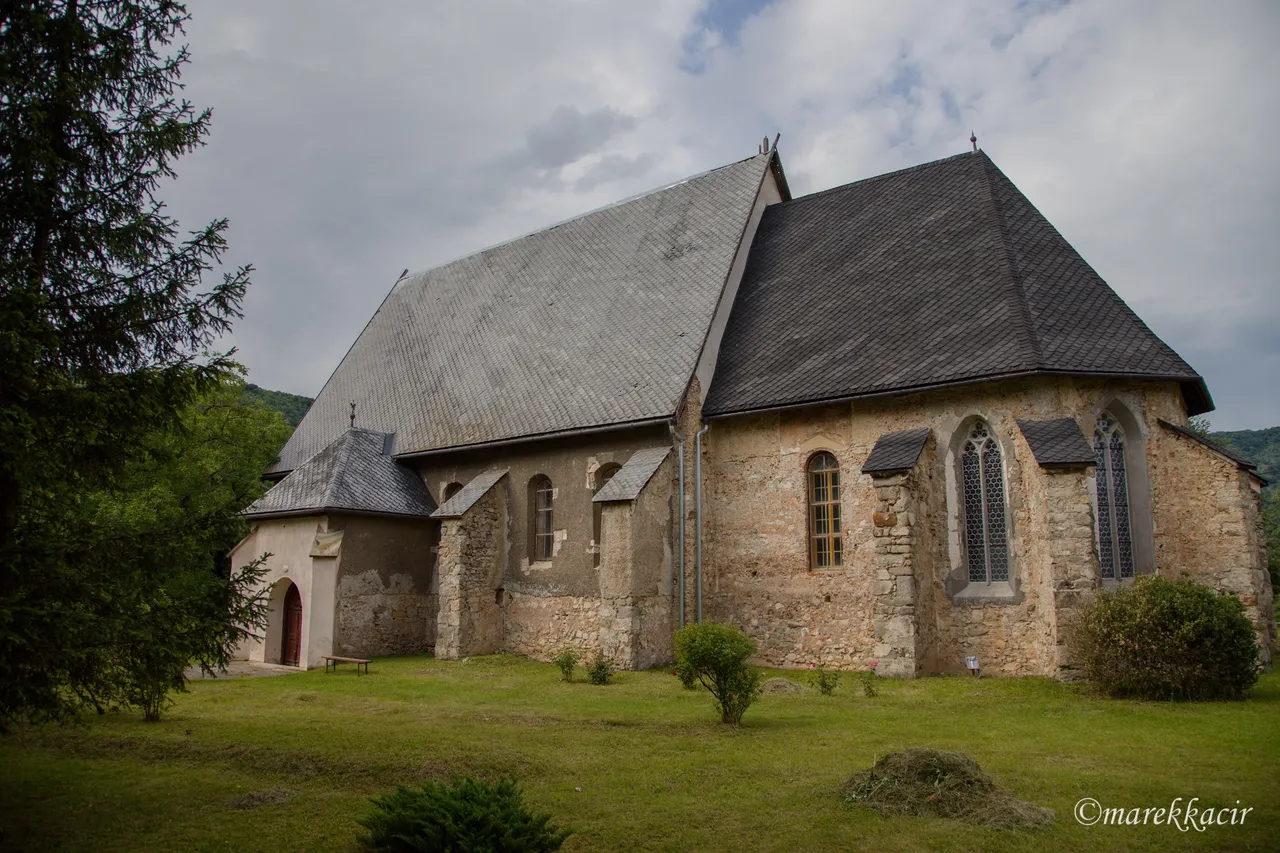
<point>640,764</point>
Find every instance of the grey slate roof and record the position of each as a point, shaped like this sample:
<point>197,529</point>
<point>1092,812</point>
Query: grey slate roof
<point>1242,464</point>
<point>1057,443</point>
<point>632,476</point>
<point>470,493</point>
<point>935,275</point>
<point>896,452</point>
<point>593,322</point>
<point>354,473</point>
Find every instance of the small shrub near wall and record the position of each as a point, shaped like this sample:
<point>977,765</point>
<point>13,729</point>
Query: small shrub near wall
<point>565,662</point>
<point>1166,639</point>
<point>600,670</point>
<point>716,656</point>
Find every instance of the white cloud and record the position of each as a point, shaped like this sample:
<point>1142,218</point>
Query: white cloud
<point>351,141</point>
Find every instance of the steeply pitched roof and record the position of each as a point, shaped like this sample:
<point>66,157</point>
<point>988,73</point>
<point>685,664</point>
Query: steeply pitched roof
<point>632,476</point>
<point>936,275</point>
<point>592,322</point>
<point>1057,443</point>
<point>896,452</point>
<point>1242,464</point>
<point>470,493</point>
<point>354,473</point>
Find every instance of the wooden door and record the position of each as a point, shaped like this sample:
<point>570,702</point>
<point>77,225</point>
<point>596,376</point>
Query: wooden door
<point>291,645</point>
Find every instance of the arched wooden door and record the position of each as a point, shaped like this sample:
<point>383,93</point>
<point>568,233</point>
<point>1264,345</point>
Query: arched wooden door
<point>291,641</point>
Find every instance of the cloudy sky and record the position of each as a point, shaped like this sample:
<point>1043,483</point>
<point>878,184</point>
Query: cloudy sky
<point>353,140</point>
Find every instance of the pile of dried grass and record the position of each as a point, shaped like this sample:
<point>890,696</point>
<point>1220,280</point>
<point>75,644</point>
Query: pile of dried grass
<point>944,784</point>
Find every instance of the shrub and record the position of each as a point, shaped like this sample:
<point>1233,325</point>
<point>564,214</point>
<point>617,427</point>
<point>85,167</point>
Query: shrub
<point>1166,639</point>
<point>600,670</point>
<point>869,688</point>
<point>825,680</point>
<point>468,815</point>
<point>566,661</point>
<point>715,656</point>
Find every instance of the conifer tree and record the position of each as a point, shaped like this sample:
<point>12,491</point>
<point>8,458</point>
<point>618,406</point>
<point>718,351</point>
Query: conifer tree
<point>104,323</point>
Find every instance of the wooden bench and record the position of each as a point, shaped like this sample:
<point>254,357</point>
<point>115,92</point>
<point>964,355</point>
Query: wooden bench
<point>333,661</point>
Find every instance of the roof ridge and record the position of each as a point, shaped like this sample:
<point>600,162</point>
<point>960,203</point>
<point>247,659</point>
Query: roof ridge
<point>896,172</point>
<point>336,477</point>
<point>1023,305</point>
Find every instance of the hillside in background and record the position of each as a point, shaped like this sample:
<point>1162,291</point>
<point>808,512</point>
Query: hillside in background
<point>292,406</point>
<point>1259,446</point>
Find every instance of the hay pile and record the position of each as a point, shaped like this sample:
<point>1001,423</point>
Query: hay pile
<point>944,784</point>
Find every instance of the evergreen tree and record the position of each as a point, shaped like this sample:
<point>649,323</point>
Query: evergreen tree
<point>103,323</point>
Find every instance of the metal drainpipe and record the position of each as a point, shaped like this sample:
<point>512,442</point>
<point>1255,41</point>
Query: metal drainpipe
<point>697,504</point>
<point>680,468</point>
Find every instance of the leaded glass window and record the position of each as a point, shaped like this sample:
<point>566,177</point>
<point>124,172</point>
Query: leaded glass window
<point>826,545</point>
<point>986,534</point>
<point>1115,535</point>
<point>543,533</point>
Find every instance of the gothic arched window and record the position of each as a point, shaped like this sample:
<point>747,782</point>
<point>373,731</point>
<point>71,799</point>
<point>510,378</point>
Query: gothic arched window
<point>825,542</point>
<point>986,535</point>
<point>1115,536</point>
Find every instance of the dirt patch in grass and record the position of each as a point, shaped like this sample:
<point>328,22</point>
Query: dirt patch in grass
<point>267,797</point>
<point>944,784</point>
<point>781,687</point>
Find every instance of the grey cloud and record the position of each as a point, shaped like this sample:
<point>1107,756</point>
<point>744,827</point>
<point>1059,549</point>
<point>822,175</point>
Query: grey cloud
<point>569,134</point>
<point>616,167</point>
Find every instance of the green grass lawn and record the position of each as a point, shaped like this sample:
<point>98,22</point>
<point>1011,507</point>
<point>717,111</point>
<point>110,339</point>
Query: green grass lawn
<point>640,764</point>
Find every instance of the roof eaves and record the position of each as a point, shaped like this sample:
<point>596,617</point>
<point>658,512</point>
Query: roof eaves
<point>301,512</point>
<point>934,386</point>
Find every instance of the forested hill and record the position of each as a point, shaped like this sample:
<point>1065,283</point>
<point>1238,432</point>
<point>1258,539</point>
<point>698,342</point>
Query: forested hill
<point>1259,446</point>
<point>292,406</point>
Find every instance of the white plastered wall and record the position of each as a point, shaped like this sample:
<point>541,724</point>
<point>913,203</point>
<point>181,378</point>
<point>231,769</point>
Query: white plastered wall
<point>289,541</point>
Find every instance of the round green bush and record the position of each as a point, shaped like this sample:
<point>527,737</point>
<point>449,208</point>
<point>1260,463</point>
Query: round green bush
<point>468,816</point>
<point>1167,640</point>
<point>715,656</point>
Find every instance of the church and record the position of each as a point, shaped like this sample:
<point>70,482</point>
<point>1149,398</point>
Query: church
<point>900,420</point>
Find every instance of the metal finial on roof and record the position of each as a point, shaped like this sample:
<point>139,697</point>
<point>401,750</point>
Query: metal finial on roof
<point>353,413</point>
<point>973,140</point>
<point>403,274</point>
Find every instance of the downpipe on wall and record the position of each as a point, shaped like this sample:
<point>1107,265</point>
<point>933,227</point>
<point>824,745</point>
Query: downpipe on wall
<point>680,468</point>
<point>697,507</point>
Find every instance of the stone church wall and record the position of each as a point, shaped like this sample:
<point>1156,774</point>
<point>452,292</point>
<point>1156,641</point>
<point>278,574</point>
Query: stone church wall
<point>547,605</point>
<point>1215,537</point>
<point>386,598</point>
<point>908,529</point>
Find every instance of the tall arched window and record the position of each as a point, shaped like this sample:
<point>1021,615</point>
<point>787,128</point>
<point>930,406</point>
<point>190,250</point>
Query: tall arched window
<point>451,490</point>
<point>826,547</point>
<point>1115,536</point>
<point>986,535</point>
<point>543,533</point>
